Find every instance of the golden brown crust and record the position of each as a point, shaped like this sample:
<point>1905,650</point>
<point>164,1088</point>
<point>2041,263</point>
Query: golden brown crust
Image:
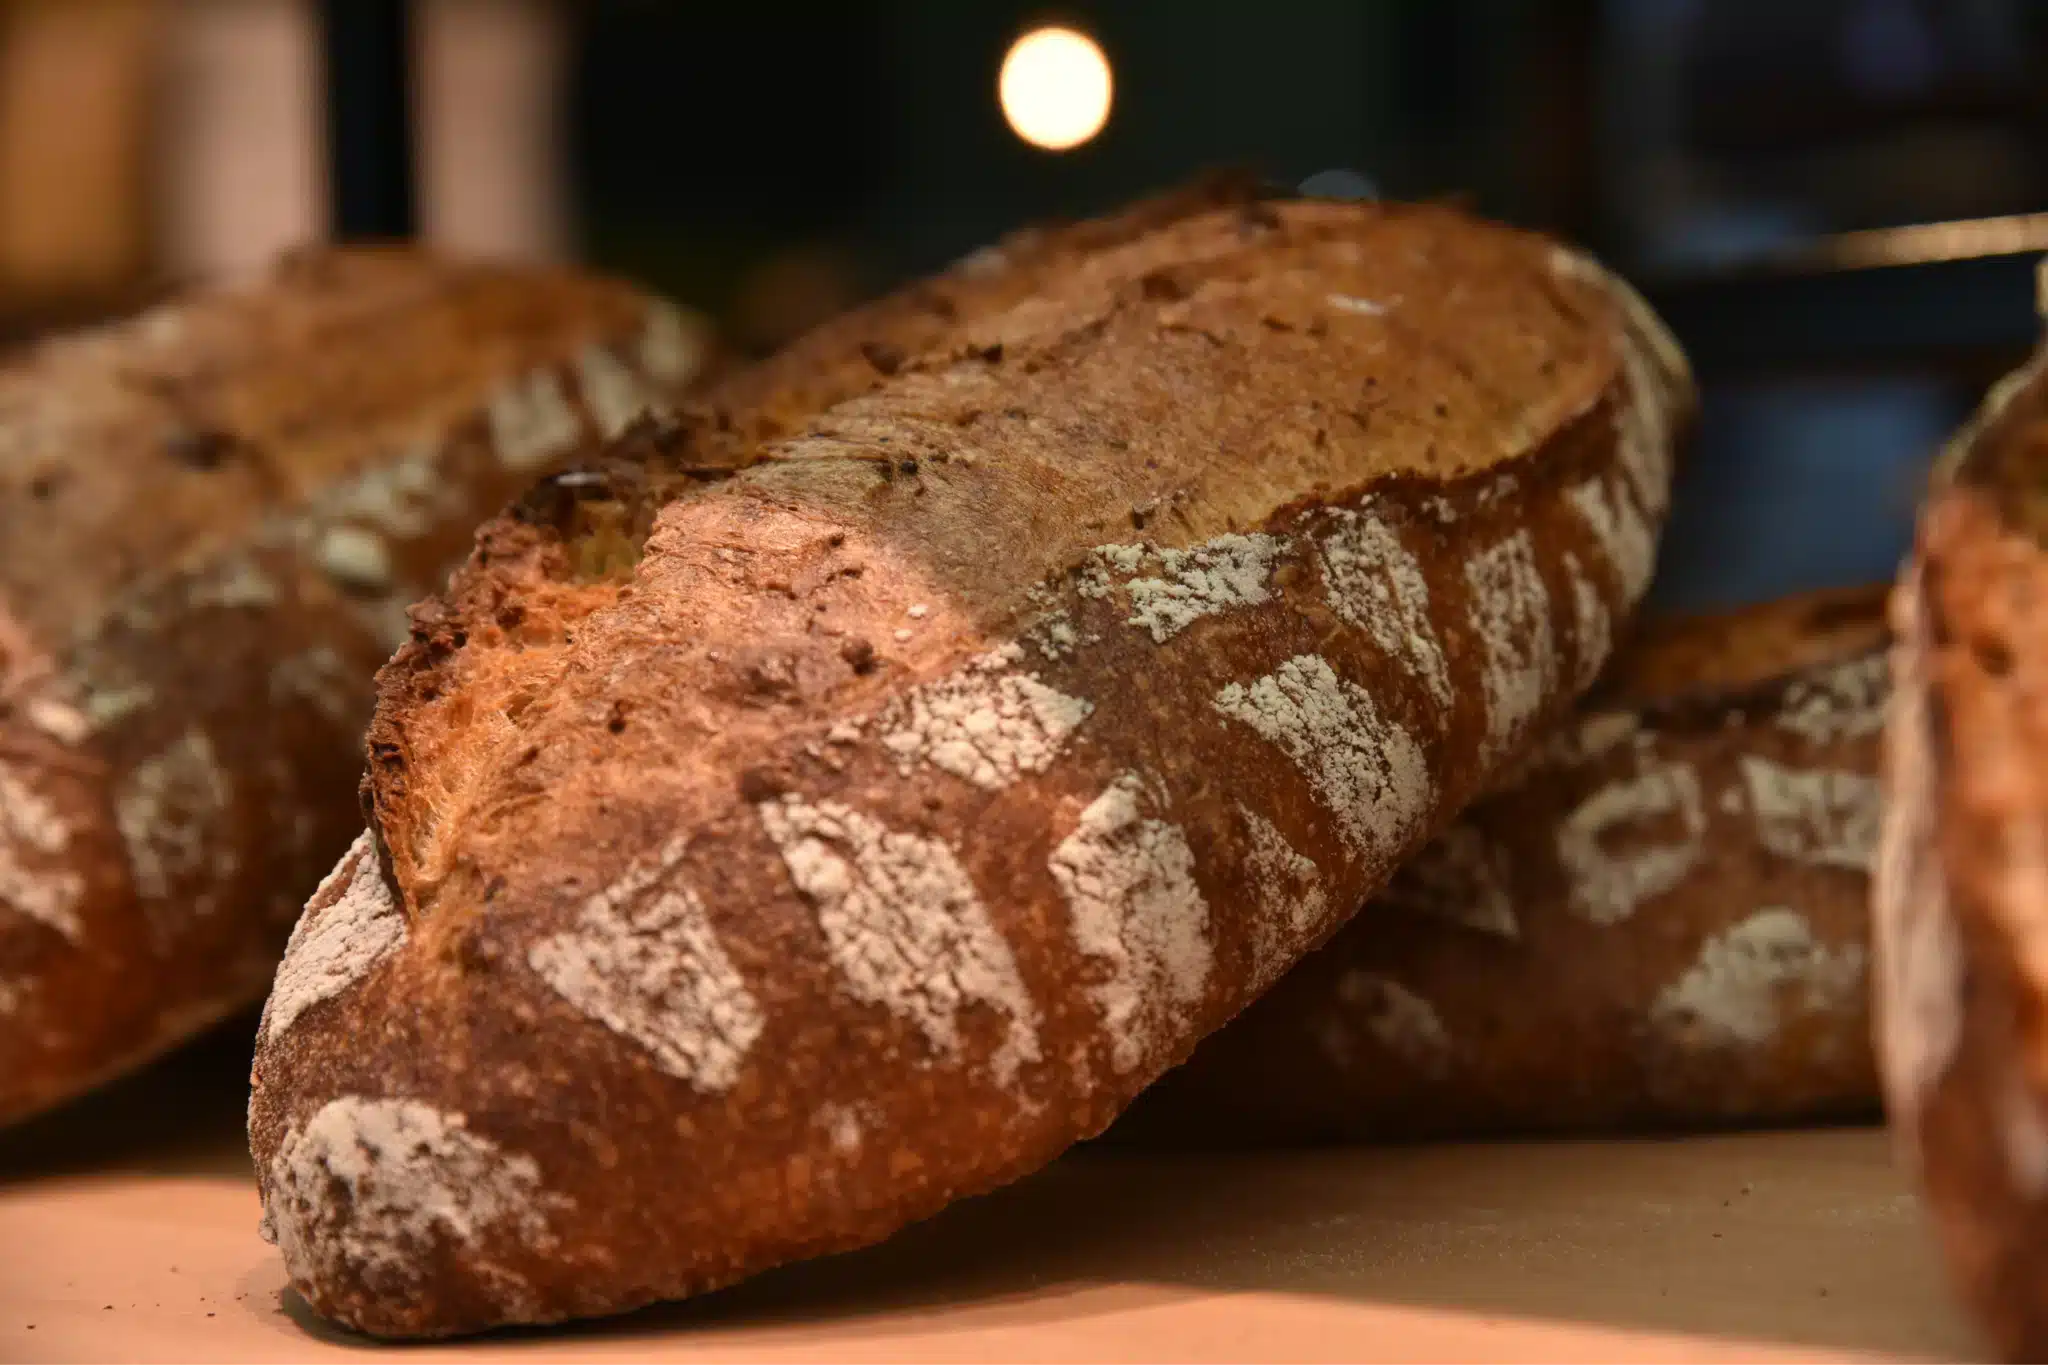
<point>855,352</point>
<point>1715,656</point>
<point>1962,889</point>
<point>851,834</point>
<point>215,515</point>
<point>1660,923</point>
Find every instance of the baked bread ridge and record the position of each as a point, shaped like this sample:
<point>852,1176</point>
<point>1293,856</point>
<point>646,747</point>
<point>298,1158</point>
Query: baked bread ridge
<point>215,513</point>
<point>1661,921</point>
<point>1960,898</point>
<point>863,846</point>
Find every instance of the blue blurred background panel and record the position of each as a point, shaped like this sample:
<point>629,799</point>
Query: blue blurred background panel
<point>1800,483</point>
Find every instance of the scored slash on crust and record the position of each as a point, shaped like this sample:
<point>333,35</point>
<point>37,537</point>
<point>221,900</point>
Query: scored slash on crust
<point>1367,770</point>
<point>903,924</point>
<point>1511,613</point>
<point>1128,881</point>
<point>650,968</point>
<point>1376,585</point>
<point>1293,906</point>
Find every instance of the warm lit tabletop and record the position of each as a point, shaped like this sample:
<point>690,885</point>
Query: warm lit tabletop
<point>128,1232</point>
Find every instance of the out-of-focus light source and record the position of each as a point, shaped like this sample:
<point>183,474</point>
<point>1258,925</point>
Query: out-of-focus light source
<point>1055,88</point>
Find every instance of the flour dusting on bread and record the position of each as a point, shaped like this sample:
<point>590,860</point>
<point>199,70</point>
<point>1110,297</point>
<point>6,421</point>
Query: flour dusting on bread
<point>1654,368</point>
<point>1592,625</point>
<point>1292,903</point>
<point>169,811</point>
<point>1367,770</point>
<point>614,394</point>
<point>1752,975</point>
<point>1376,585</point>
<point>1132,903</point>
<point>350,925</point>
<point>1404,1024</point>
<point>671,348</point>
<point>1511,614</point>
<point>1819,816</point>
<point>1624,535</point>
<point>1840,703</point>
<point>1461,876</point>
<point>644,961</point>
<point>366,1189</point>
<point>1658,820</point>
<point>1224,574</point>
<point>904,924</point>
<point>34,832</point>
<point>531,421</point>
<point>988,723</point>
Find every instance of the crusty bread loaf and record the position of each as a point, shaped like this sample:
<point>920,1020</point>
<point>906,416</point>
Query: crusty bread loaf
<point>213,518</point>
<point>1661,922</point>
<point>1961,902</point>
<point>758,863</point>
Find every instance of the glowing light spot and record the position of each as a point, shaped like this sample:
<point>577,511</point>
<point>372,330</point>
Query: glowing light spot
<point>1055,88</point>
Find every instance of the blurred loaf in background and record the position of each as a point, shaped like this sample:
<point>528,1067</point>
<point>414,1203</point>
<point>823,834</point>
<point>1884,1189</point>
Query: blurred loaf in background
<point>215,516</point>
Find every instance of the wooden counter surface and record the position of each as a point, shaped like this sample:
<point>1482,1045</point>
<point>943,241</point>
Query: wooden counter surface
<point>128,1231</point>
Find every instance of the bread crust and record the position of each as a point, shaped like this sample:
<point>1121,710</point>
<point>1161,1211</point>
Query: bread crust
<point>1960,900</point>
<point>215,516</point>
<point>857,831</point>
<point>1660,922</point>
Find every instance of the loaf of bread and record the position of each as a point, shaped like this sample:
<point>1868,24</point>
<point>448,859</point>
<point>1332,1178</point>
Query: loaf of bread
<point>213,518</point>
<point>759,862</point>
<point>1661,922</point>
<point>1961,901</point>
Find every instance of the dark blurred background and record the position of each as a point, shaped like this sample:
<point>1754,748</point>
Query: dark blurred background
<point>1832,200</point>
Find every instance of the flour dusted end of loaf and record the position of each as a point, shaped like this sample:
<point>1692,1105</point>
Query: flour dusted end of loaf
<point>856,831</point>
